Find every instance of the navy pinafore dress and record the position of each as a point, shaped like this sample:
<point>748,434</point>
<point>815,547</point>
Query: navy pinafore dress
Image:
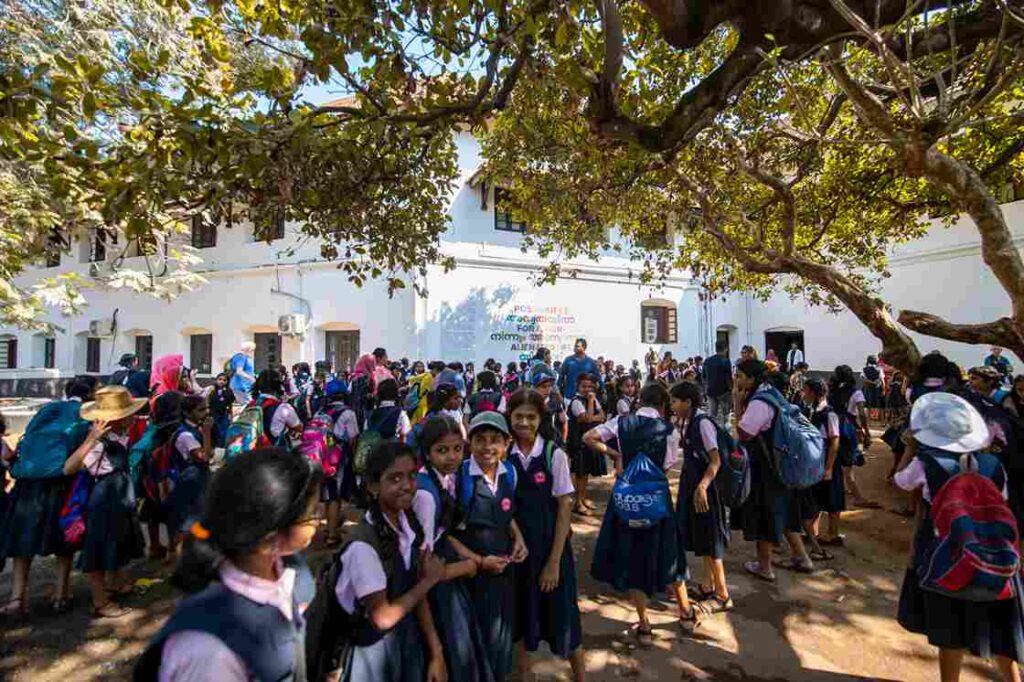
<point>771,509</point>
<point>704,534</point>
<point>583,460</point>
<point>393,656</point>
<point>643,559</point>
<point>487,520</point>
<point>193,476</point>
<point>112,534</point>
<point>552,617</point>
<point>465,653</point>
<point>824,496</point>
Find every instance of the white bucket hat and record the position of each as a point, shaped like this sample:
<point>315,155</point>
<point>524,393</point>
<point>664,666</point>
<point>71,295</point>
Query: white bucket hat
<point>948,422</point>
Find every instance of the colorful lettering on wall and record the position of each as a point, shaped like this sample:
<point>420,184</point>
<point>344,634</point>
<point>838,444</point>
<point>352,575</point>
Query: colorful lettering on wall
<point>527,328</point>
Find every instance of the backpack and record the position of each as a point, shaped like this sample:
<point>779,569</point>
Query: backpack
<point>54,432</point>
<point>871,374</point>
<point>329,627</point>
<point>641,498</point>
<point>484,401</point>
<point>318,442</point>
<point>72,513</point>
<point>974,555</point>
<point>361,396</point>
<point>850,453</point>
<point>381,426</point>
<point>797,449</point>
<point>464,482</point>
<point>249,429</point>
<point>733,478</point>
<point>412,398</point>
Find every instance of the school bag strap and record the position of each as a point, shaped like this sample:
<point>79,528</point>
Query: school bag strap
<point>465,484</point>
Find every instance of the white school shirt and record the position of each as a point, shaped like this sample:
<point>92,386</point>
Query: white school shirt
<point>758,416</point>
<point>561,479</point>
<point>425,508</point>
<point>346,426</point>
<point>362,573</point>
<point>94,462</point>
<point>708,432</point>
<point>475,470</point>
<point>284,417</point>
<point>195,656</point>
<point>578,408</point>
<point>856,399</point>
<point>914,476</point>
<point>624,406</point>
<point>829,429</point>
<point>186,442</point>
<point>610,430</point>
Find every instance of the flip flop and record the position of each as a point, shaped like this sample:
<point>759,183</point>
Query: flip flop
<point>691,622</point>
<point>754,569</point>
<point>820,555</point>
<point>718,605</point>
<point>794,564</point>
<point>837,541</point>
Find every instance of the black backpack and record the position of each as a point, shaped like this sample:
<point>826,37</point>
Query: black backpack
<point>329,628</point>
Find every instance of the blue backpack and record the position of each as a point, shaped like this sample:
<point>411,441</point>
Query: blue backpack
<point>850,453</point>
<point>797,449</point>
<point>641,498</point>
<point>54,432</point>
<point>733,478</point>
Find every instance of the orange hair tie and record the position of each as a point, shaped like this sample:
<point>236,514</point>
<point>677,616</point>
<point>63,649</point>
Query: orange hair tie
<point>199,532</point>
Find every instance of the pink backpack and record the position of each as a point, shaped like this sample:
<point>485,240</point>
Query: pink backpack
<point>318,443</point>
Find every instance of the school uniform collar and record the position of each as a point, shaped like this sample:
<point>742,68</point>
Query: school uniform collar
<point>189,422</point>
<point>475,470</point>
<point>447,482</point>
<point>387,403</point>
<point>276,593</point>
<point>74,399</point>
<point>535,451</point>
<point>647,411</point>
<point>693,418</point>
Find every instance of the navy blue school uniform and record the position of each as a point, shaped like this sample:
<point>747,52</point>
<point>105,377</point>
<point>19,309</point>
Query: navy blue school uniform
<point>627,558</point>
<point>986,629</point>
<point>270,645</point>
<point>398,654</point>
<point>704,534</point>
<point>465,653</point>
<point>486,530</point>
<point>771,509</point>
<point>221,400</point>
<point>112,534</point>
<point>824,496</point>
<point>193,476</point>
<point>583,460</point>
<point>341,485</point>
<point>552,617</point>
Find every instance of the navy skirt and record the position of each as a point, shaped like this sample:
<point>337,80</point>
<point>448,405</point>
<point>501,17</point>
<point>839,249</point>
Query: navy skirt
<point>187,498</point>
<point>704,534</point>
<point>646,559</point>
<point>552,617</point>
<point>494,599</point>
<point>397,657</point>
<point>771,509</point>
<point>465,652</point>
<point>113,538</point>
<point>30,524</point>
<point>584,461</point>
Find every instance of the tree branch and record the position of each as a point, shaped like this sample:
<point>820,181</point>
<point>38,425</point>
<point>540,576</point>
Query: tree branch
<point>1002,332</point>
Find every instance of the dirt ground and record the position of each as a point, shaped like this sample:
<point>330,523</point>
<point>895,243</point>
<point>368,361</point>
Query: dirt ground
<point>837,624</point>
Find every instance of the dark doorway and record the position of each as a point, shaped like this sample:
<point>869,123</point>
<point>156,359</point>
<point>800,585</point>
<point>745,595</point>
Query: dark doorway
<point>342,349</point>
<point>780,343</point>
<point>268,351</point>
<point>722,336</point>
<point>144,351</point>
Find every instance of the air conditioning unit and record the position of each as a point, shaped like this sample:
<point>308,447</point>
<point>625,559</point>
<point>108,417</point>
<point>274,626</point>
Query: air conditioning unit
<point>292,325</point>
<point>101,328</point>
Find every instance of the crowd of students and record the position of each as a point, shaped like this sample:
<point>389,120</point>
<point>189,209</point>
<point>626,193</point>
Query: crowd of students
<point>461,563</point>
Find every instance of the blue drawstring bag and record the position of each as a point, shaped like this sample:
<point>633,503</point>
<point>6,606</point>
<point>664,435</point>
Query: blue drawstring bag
<point>641,498</point>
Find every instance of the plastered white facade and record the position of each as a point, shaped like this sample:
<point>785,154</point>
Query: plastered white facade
<point>490,306</point>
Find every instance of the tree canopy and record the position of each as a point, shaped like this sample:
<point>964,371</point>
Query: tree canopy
<point>794,142</point>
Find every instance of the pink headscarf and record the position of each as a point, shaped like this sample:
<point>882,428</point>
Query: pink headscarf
<point>166,374</point>
<point>366,366</point>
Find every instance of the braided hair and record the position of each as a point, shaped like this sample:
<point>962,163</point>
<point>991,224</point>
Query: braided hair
<point>434,429</point>
<point>382,458</point>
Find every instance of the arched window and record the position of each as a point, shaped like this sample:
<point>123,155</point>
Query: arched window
<point>658,321</point>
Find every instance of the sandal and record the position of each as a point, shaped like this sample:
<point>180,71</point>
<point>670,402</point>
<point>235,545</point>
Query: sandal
<point>644,636</point>
<point>61,605</point>
<point>796,564</point>
<point>820,555</point>
<point>837,541</point>
<point>699,592</point>
<point>110,609</point>
<point>718,605</point>
<point>754,569</point>
<point>690,622</point>
<point>14,607</point>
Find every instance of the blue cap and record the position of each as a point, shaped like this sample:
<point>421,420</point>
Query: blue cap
<point>336,387</point>
<point>541,373</point>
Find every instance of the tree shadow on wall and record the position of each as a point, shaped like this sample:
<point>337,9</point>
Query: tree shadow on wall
<point>465,327</point>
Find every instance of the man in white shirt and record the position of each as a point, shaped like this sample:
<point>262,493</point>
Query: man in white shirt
<point>794,357</point>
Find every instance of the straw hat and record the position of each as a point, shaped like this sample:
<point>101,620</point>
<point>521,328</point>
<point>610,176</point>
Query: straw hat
<point>112,403</point>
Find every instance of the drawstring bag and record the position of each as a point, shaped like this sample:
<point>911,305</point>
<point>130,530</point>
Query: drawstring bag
<point>641,497</point>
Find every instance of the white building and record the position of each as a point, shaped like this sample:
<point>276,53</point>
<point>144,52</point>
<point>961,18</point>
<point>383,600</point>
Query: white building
<point>488,307</point>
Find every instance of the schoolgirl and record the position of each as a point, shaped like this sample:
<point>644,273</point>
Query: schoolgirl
<point>280,420</point>
<point>192,453</point>
<point>771,511</point>
<point>702,518</point>
<point>112,534</point>
<point>388,418</point>
<point>382,583</point>
<point>465,653</point>
<point>486,489</point>
<point>585,413</point>
<point>641,561</point>
<point>221,400</point>
<point>829,495</point>
<point>554,425</point>
<point>30,525</point>
<point>342,484</point>
<point>511,381</point>
<point>848,401</point>
<point>240,563</point>
<point>627,396</point>
<point>943,429</point>
<point>546,592</point>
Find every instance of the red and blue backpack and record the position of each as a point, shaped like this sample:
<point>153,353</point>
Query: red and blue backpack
<point>974,555</point>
